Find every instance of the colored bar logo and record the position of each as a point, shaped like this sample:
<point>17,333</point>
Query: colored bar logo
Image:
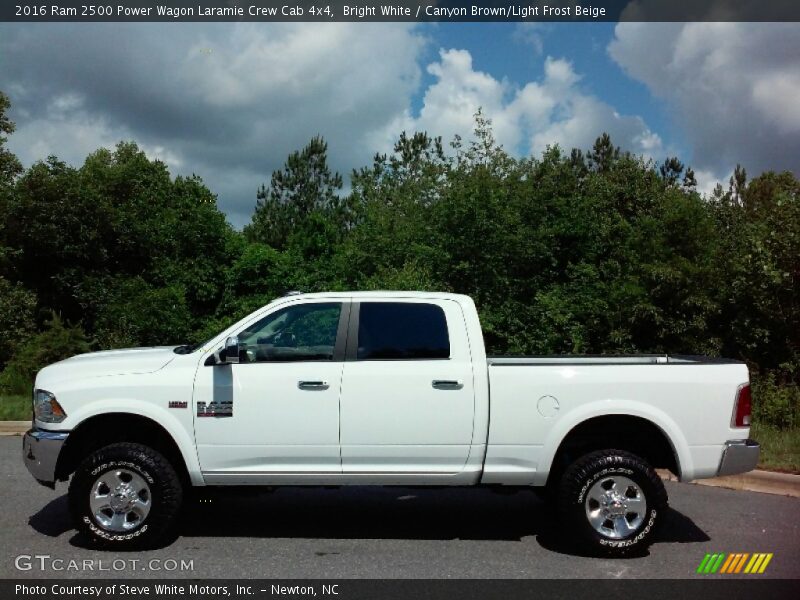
<point>738,562</point>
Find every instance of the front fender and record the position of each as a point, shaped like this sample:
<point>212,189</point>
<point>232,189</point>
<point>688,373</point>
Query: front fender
<point>179,429</point>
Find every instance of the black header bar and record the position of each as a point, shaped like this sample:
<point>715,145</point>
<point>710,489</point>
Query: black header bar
<point>532,11</point>
<point>738,588</point>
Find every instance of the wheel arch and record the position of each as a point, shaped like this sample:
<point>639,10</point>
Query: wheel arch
<point>103,429</point>
<point>633,433</point>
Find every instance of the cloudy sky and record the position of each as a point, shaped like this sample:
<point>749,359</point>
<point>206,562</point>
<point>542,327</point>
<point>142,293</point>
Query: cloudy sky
<point>229,101</point>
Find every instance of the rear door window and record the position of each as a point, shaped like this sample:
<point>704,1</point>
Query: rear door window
<point>402,331</point>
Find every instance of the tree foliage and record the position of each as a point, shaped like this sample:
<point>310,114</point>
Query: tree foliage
<point>759,255</point>
<point>56,341</point>
<point>10,167</point>
<point>304,189</point>
<point>117,245</point>
<point>584,251</point>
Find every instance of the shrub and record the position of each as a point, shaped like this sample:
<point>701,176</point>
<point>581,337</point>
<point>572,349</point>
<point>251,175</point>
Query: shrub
<point>56,342</point>
<point>17,306</point>
<point>137,313</point>
<point>775,404</point>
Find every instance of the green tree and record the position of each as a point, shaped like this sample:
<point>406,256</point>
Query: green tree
<point>10,167</point>
<point>136,313</point>
<point>17,304</point>
<point>303,187</point>
<point>17,317</point>
<point>55,342</point>
<point>80,237</point>
<point>395,235</point>
<point>257,276</point>
<point>759,253</point>
<point>603,154</point>
<point>671,170</point>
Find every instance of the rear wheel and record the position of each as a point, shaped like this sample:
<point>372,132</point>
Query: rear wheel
<point>612,501</point>
<point>125,495</point>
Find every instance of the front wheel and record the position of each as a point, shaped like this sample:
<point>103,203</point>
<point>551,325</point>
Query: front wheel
<point>125,496</point>
<point>613,501</point>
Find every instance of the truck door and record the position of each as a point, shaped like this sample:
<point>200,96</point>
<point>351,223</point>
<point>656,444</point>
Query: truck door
<point>274,417</point>
<point>407,404</point>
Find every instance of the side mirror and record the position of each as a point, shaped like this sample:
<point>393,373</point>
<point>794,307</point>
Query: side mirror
<point>231,354</point>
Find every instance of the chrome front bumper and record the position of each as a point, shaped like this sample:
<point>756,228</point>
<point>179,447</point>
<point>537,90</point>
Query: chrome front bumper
<point>40,450</point>
<point>739,456</point>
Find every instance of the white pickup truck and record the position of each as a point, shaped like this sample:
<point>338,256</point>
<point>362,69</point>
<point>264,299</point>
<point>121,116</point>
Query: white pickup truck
<point>381,388</point>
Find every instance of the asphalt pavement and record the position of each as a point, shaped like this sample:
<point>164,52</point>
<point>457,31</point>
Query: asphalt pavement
<point>360,532</point>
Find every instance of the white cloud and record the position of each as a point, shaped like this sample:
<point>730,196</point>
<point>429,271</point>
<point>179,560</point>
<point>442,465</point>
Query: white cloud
<point>732,88</point>
<point>68,136</point>
<point>532,34</point>
<point>553,110</point>
<point>214,99</point>
<point>230,101</point>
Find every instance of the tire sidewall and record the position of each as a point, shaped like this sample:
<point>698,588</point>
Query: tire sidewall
<point>136,459</point>
<point>579,481</point>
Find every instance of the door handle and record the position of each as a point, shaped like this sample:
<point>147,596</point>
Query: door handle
<point>447,384</point>
<point>313,385</point>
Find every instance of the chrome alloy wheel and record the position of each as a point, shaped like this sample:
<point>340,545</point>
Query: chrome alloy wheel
<point>120,500</point>
<point>615,506</point>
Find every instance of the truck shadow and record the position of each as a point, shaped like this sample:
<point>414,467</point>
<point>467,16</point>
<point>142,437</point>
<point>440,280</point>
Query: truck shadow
<point>371,513</point>
<point>677,528</point>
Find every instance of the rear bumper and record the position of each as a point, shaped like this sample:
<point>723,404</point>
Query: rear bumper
<point>40,451</point>
<point>739,456</point>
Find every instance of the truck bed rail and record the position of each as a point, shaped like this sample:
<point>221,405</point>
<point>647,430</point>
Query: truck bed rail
<point>607,359</point>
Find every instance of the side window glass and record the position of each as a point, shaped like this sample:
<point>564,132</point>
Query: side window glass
<point>297,333</point>
<point>402,330</point>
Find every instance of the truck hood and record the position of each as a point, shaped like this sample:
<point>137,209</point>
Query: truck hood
<point>129,361</point>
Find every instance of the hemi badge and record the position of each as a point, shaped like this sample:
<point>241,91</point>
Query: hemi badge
<point>177,404</point>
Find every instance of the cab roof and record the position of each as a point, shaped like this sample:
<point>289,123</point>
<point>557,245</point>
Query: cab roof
<point>378,294</point>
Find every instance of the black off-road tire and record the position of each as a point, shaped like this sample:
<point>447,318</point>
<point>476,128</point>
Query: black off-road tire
<point>602,466</point>
<point>165,495</point>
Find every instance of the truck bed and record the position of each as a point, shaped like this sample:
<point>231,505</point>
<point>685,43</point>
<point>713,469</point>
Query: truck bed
<point>538,401</point>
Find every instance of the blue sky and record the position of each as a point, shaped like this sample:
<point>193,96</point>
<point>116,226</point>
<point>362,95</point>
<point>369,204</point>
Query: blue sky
<point>502,50</point>
<point>230,101</point>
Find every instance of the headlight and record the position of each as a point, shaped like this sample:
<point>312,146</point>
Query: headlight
<point>46,408</point>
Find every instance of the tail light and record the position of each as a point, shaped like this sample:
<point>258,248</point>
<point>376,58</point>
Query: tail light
<point>742,408</point>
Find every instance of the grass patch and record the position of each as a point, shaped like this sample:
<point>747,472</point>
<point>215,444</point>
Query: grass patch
<point>15,408</point>
<point>780,450</point>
